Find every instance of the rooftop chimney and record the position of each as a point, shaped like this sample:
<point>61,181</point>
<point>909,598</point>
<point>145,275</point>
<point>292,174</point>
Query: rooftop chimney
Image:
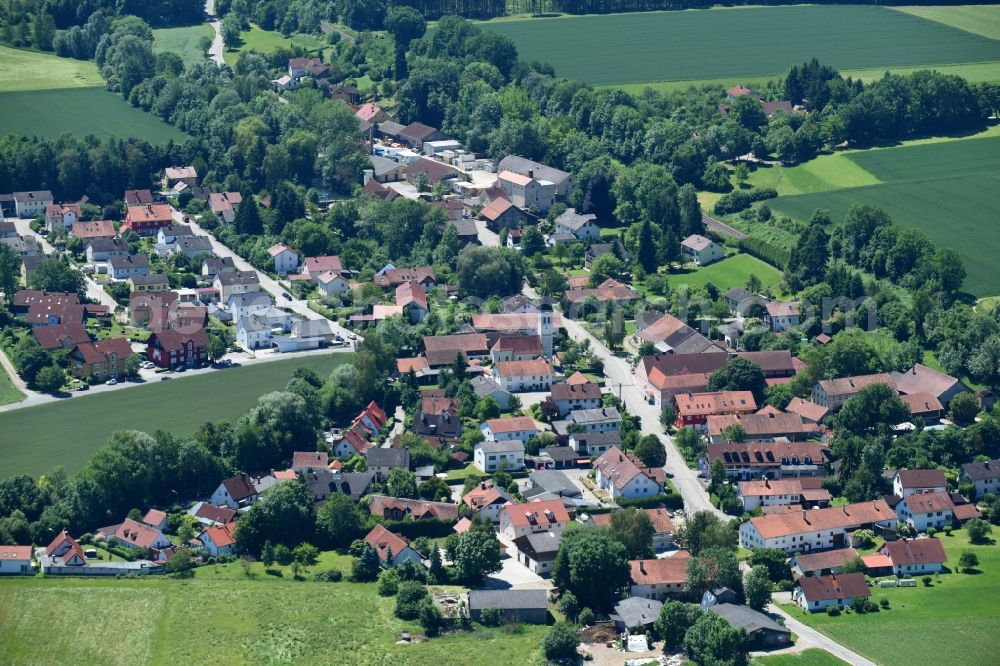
<point>642,566</point>
<point>805,516</point>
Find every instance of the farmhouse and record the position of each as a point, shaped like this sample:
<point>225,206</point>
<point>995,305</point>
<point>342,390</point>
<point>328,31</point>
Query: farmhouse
<point>762,632</point>
<point>832,393</point>
<point>660,579</point>
<point>516,348</point>
<point>815,593</point>
<point>934,509</point>
<point>783,492</point>
<point>569,397</point>
<point>816,529</point>
<point>809,411</point>
<point>780,316</point>
<point>701,250</point>
<point>985,476</point>
<point>30,204</point>
<point>670,335</point>
<point>761,427</point>
<point>923,380</point>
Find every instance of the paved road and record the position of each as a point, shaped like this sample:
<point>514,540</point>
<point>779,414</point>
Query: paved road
<point>819,640</point>
<point>215,51</point>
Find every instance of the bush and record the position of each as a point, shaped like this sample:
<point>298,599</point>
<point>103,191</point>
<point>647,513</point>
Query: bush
<point>561,641</point>
<point>491,617</point>
<point>586,617</point>
<point>408,599</point>
<point>863,539</point>
<point>569,606</point>
<point>978,530</point>
<point>927,580</point>
<point>331,576</point>
<point>968,560</point>
<point>388,583</point>
<point>430,617</point>
<point>832,611</point>
<point>883,603</point>
<point>931,532</point>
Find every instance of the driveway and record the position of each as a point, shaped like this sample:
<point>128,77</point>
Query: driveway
<point>215,51</point>
<point>819,640</point>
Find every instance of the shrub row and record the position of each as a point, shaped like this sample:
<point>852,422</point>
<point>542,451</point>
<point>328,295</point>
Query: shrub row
<point>739,200</point>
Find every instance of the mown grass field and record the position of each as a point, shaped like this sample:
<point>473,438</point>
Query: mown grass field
<point>8,392</point>
<point>955,621</point>
<point>265,41</point>
<point>810,657</point>
<point>182,41</point>
<point>30,70</point>
<point>747,42</point>
<point>730,272</point>
<point>948,189</point>
<point>979,19</point>
<point>35,439</point>
<point>230,621</point>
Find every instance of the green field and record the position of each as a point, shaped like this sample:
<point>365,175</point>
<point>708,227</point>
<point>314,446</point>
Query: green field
<point>30,70</point>
<point>810,657</point>
<point>948,189</point>
<point>182,41</point>
<point>732,43</point>
<point>35,439</point>
<point>956,621</point>
<point>265,41</point>
<point>8,392</point>
<point>730,272</point>
<point>80,111</point>
<point>979,19</point>
<point>230,621</point>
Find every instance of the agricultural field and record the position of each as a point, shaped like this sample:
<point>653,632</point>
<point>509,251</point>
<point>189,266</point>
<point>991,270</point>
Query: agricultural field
<point>954,621</point>
<point>730,272</point>
<point>741,43</point>
<point>810,657</point>
<point>264,41</point>
<point>182,41</point>
<point>979,19</point>
<point>258,620</point>
<point>944,188</point>
<point>30,70</point>
<point>35,439</point>
<point>8,392</point>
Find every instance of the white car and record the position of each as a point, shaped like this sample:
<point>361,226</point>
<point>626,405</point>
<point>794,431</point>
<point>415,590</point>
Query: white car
<point>351,336</point>
<point>111,382</point>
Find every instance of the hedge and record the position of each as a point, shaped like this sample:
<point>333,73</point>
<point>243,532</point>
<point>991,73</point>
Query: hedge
<point>766,252</point>
<point>670,501</point>
<point>739,200</point>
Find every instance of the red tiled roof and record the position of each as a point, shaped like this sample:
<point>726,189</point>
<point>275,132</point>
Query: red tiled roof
<point>921,379</point>
<point>534,368</point>
<point>154,517</point>
<point>239,487</point>
<point>618,467</point>
<point>511,424</point>
<point>94,229</point>
<point>221,535</point>
<point>807,409</point>
<point>310,459</point>
<point>416,363</point>
<point>482,495</point>
<point>922,403</point>
<point>720,402</point>
<point>323,264</point>
<point>15,553</point>
<point>914,551</point>
<point>660,520</point>
<point>99,350</point>
<point>382,540</point>
<point>840,586</point>
<point>922,478</point>
<point>549,512</point>
<point>218,514</point>
<point>816,520</point>
<point>52,337</point>
<point>411,293</point>
<point>929,503</point>
<point>133,532</point>
<point>667,571</point>
<point>578,378</point>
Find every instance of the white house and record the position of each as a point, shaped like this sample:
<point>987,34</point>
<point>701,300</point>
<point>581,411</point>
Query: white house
<point>915,557</point>
<point>61,216</point>
<point>519,376</point>
<point>517,520</point>
<point>248,304</point>
<point>219,540</point>
<point>908,482</point>
<point>583,227</point>
<point>122,268</point>
<point>602,419</point>
<point>16,560</point>
<point>235,492</point>
<point>569,397</point>
<point>780,316</point>
<point>487,499</point>
<point>286,260</point>
<point>815,593</point>
<point>985,476</point>
<point>392,549</point>
<point>816,529</point>
<point>30,204</point>
<point>702,250</point>
<point>507,455</point>
<point>235,282</point>
<point>133,534</point>
<point>521,428</point>
<point>926,510</point>
<point>332,283</point>
<point>253,332</point>
<point>525,191</point>
<point>619,476</point>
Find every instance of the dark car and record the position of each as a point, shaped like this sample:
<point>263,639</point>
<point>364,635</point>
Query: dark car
<point>165,378</point>
<point>83,387</point>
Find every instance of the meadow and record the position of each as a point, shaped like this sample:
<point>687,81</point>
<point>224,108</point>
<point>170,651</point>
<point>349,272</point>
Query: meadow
<point>809,657</point>
<point>265,41</point>
<point>954,621</point>
<point>739,43</point>
<point>30,70</point>
<point>8,392</point>
<point>946,189</point>
<point>732,271</point>
<point>182,41</point>
<point>35,439</point>
<point>238,620</point>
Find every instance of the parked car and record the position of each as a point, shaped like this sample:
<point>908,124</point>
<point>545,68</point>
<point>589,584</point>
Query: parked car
<point>285,294</point>
<point>165,378</point>
<point>83,387</point>
<point>111,382</point>
<point>180,368</point>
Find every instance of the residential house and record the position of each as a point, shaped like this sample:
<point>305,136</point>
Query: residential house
<point>520,428</point>
<point>305,460</point>
<point>286,260</point>
<point>60,336</point>
<point>371,420</point>
<point>31,204</point>
<point>660,579</point>
<point>599,249</point>
<point>225,205</point>
<point>23,246</point>
<point>172,233</point>
<point>985,476</point>
<point>87,231</point>
<point>815,593</point>
<point>173,348</point>
<point>518,520</point>
<point>816,529</point>
<point>253,332</point>
<point>382,461</point>
<point>248,304</point>
<point>235,282</point>
<point>50,314</point>
<point>122,268</point>
<point>822,563</point>
<point>140,197</point>
<point>809,411</point>
<point>521,376</point>
<point>833,393</point>
<point>147,220</point>
<point>65,551</point>
<point>670,335</point>
<point>101,359</point>
<point>774,364</point>
<point>620,476</point>
<point>635,614</point>
<point>921,380</point>
<point>324,482</point>
<point>594,443</point>
<point>493,456</point>
<point>236,492</point>
<point>438,418</point>
<point>570,397</point>
<point>100,250</point>
<point>392,549</point>
<point>150,282</point>
<point>915,557</point>
<point>25,299</point>
<point>609,291</point>
<point>500,213</point>
<point>133,534</point>
<point>908,482</point>
<point>925,406</point>
<point>561,180</point>
<point>212,266</point>
<point>516,348</point>
<point>16,560</point>
<point>701,250</point>
<point>182,174</point>
<point>516,606</point>
<point>538,551</point>
<point>7,229</point>
<point>156,519</point>
<point>694,409</point>
<point>805,492</point>
<point>525,191</point>
<point>190,246</point>
<point>773,459</point>
<point>302,67</point>
<point>411,297</point>
<point>554,482</point>
<point>738,299</point>
<point>924,510</point>
<point>601,419</point>
<point>543,324</point>
<point>441,350</point>
<point>399,508</point>
<point>582,227</point>
<point>487,499</point>
<point>219,540</point>
<point>762,427</point>
<point>485,387</point>
<point>210,514</point>
<point>391,277</point>
<point>428,172</point>
<point>780,316</point>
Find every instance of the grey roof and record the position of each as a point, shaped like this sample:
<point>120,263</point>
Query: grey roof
<point>980,471</point>
<point>107,244</point>
<point>323,482</point>
<point>637,612</point>
<point>254,324</point>
<point>464,227</point>
<point>21,244</point>
<point>507,599</point>
<point>555,482</point>
<point>613,438</point>
<point>540,171</point>
<point>509,446</point>
<point>311,328</point>
<point>150,278</point>
<point>177,230</point>
<point>600,415</point>
<point>379,457</point>
<point>539,546</point>
<point>737,294</point>
<point>43,195</point>
<point>573,220</point>
<point>194,244</point>
<point>238,277</point>
<point>744,617</point>
<point>249,298</point>
<point>382,165</point>
<point>558,453</point>
<point>391,128</point>
<point>131,261</point>
<point>484,386</point>
<point>218,262</point>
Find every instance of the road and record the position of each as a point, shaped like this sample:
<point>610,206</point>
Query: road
<point>95,292</point>
<point>721,227</point>
<point>819,640</point>
<point>215,51</point>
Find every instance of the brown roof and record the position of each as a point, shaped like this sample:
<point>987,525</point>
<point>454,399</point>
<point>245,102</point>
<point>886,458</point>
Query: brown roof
<point>28,297</point>
<point>53,337</point>
<point>511,424</point>
<point>914,551</point>
<point>510,321</point>
<point>136,533</point>
<point>764,454</point>
<point>494,209</point>
<point>660,520</point>
<point>417,509</point>
<point>922,478</point>
<point>618,467</point>
<point>718,402</point>
<point>929,502</point>
<point>154,517</point>
<point>397,276</point>
<point>138,197</point>
<point>239,487</point>
<point>537,513</point>
<point>433,170</point>
<point>807,409</point>
<point>853,385</point>
<point>921,379</point>
<point>922,403</point>
<point>584,391</point>
<point>218,514</point>
<point>382,540</point>
<point>519,344</point>
<point>437,405</point>
<point>840,586</point>
<point>149,213</point>
<point>609,290</point>
<point>769,487</point>
<point>669,570</point>
<point>534,368</point>
<point>814,520</point>
<point>782,309</point>
<point>762,425</point>
<point>826,560</point>
<point>174,339</point>
<point>99,350</point>
<point>416,363</point>
<point>483,495</point>
<point>310,459</point>
<point>323,264</point>
<point>39,313</point>
<point>411,293</point>
<point>95,229</point>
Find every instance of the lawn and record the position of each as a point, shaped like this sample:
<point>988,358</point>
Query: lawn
<point>730,272</point>
<point>182,41</point>
<point>8,392</point>
<point>238,621</point>
<point>946,189</point>
<point>955,621</point>
<point>979,19</point>
<point>810,657</point>
<point>264,41</point>
<point>80,111</point>
<point>740,43</point>
<point>30,70</point>
<point>35,439</point>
